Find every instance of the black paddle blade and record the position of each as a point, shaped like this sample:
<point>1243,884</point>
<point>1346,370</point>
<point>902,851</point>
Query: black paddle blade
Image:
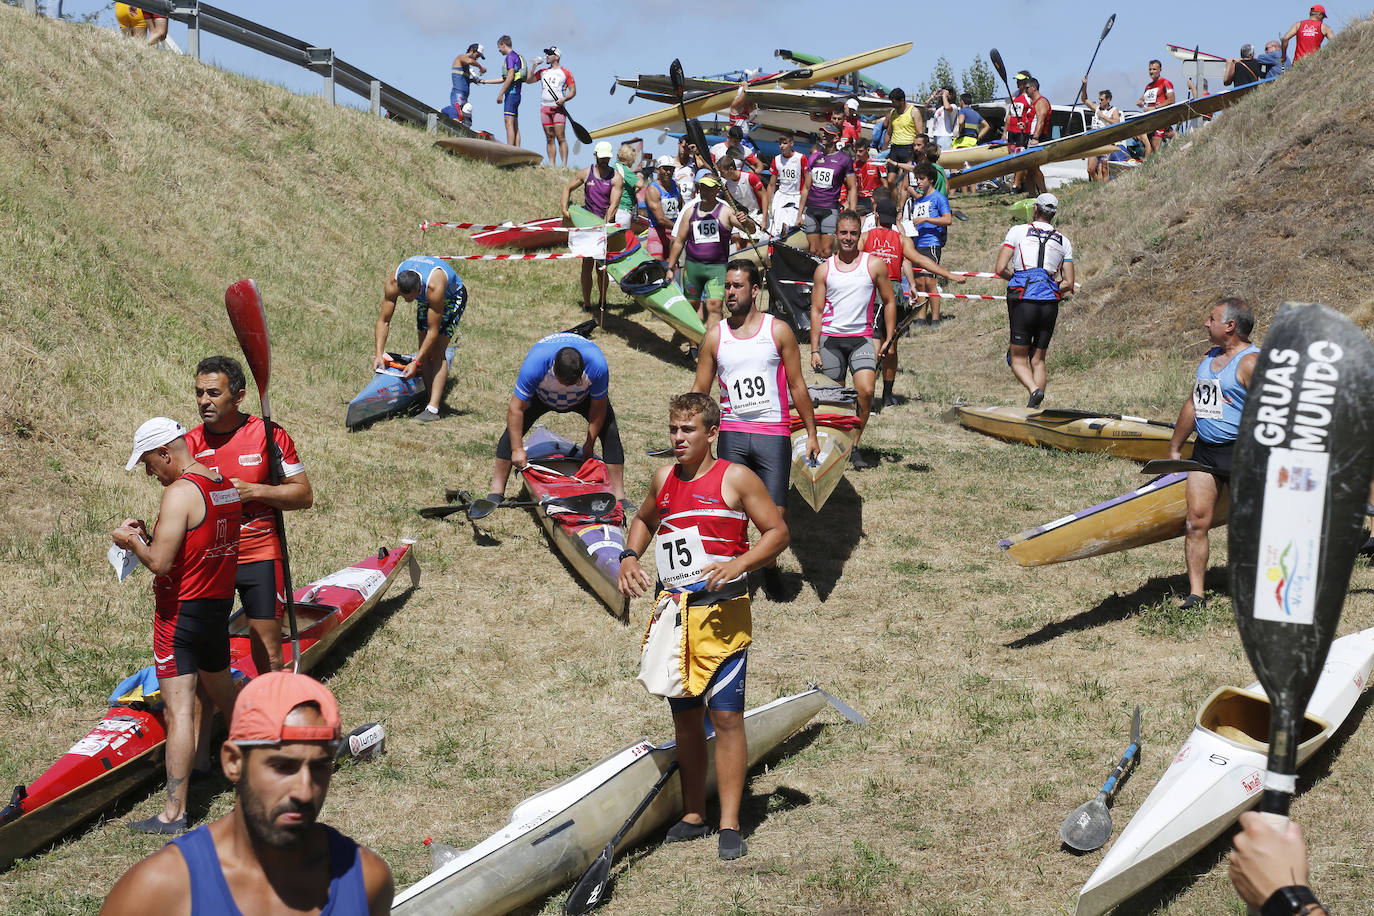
<point>1108,27</point>
<point>997,64</point>
<point>675,74</point>
<point>597,505</point>
<point>590,890</point>
<point>442,511</point>
<point>1159,466</point>
<point>1300,481</point>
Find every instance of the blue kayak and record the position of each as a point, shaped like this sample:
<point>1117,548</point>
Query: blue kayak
<point>387,393</point>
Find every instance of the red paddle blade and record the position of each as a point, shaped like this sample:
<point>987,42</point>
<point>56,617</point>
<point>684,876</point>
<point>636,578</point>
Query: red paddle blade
<point>249,319</point>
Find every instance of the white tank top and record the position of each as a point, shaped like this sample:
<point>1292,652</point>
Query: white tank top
<point>753,382</point>
<point>849,297</point>
<point>789,172</point>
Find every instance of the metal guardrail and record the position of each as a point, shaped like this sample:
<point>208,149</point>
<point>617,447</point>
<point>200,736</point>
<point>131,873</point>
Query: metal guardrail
<point>221,23</point>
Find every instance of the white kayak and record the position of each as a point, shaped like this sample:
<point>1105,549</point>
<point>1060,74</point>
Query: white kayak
<point>1219,773</point>
<point>552,837</point>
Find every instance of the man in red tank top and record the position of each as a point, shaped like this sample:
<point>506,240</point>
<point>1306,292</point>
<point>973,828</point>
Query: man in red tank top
<point>235,444</point>
<point>698,514</point>
<point>193,552</point>
<point>1310,33</point>
<point>1159,93</point>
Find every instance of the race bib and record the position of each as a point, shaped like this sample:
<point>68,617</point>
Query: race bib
<point>921,212</point>
<point>822,178</point>
<point>1207,398</point>
<point>1150,96</point>
<point>680,556</point>
<point>670,207</point>
<point>705,231</point>
<point>750,396</point>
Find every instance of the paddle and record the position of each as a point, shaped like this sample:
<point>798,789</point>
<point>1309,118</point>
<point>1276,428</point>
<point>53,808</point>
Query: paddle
<point>583,135</point>
<point>1172,466</point>
<point>1111,21</point>
<point>596,505</point>
<point>1066,415</point>
<point>1090,824</point>
<point>1300,482</point>
<point>249,318</point>
<point>1002,72</point>
<point>587,893</point>
<point>697,136</point>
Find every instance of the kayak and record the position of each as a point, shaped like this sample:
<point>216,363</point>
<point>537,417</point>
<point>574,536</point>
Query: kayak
<point>836,433</point>
<point>1146,515</point>
<point>1219,773</point>
<point>539,233</point>
<point>387,393</point>
<point>1075,430</point>
<point>1181,53</point>
<point>125,749</point>
<point>721,98</point>
<point>499,154</point>
<point>553,836</point>
<point>592,548</point>
<point>667,303</point>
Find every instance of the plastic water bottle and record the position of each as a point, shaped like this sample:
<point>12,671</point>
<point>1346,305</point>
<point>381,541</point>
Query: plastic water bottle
<point>441,853</point>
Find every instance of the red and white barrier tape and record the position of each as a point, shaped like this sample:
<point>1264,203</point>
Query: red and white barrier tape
<point>522,227</point>
<point>509,257</point>
<point>953,296</point>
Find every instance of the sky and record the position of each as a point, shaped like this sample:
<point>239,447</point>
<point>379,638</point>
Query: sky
<point>411,43</point>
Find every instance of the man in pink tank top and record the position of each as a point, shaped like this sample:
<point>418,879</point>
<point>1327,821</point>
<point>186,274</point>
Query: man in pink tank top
<point>697,514</point>
<point>844,290</point>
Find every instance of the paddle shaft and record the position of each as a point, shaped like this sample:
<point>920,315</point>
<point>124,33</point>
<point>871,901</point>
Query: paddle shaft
<point>583,135</point>
<point>675,75</point>
<point>1105,29</point>
<point>1002,72</point>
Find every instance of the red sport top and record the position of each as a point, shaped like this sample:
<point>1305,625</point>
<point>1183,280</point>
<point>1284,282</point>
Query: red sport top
<point>1156,92</point>
<point>869,176</point>
<point>208,559</point>
<point>1308,39</point>
<point>696,527</point>
<point>886,244</point>
<point>242,454</point>
<point>1018,121</point>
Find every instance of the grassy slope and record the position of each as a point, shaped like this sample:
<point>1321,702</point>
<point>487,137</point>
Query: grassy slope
<point>999,696</point>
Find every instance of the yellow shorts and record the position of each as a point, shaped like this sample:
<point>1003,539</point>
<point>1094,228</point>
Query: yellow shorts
<point>131,17</point>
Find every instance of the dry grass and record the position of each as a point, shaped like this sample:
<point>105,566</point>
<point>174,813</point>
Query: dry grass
<point>999,696</point>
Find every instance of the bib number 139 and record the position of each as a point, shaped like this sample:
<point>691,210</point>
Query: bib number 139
<point>681,556</point>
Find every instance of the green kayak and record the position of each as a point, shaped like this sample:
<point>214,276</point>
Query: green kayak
<point>668,303</point>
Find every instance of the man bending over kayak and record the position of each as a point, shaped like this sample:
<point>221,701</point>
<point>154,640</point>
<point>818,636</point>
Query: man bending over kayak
<point>698,513</point>
<point>564,373</point>
<point>440,298</point>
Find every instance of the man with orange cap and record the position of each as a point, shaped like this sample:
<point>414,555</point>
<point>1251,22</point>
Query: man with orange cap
<point>1309,32</point>
<point>269,853</point>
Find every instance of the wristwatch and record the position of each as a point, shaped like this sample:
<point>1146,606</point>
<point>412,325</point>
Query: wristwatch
<point>1294,900</point>
<point>627,553</point>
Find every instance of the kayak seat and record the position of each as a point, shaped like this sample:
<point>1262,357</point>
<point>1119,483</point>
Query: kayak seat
<point>1243,717</point>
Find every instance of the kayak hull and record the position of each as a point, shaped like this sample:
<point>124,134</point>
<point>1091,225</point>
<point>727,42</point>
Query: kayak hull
<point>125,750</point>
<point>1219,773</point>
<point>592,550</point>
<point>667,304</point>
<point>552,837</point>
<point>1123,438</point>
<point>491,151</point>
<point>816,482</point>
<point>387,393</point>
<point>1149,514</point>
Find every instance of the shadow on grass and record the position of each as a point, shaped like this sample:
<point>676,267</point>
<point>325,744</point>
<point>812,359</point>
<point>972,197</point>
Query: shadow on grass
<point>824,541</point>
<point>640,337</point>
<point>1120,607</point>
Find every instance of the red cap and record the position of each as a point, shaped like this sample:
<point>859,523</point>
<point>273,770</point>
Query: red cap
<point>262,707</point>
<point>1318,8</point>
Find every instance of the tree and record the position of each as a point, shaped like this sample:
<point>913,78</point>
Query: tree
<point>980,82</point>
<point>941,76</point>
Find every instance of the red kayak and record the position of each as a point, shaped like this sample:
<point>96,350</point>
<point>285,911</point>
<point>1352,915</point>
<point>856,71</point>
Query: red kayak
<point>561,481</point>
<point>539,233</point>
<point>125,750</point>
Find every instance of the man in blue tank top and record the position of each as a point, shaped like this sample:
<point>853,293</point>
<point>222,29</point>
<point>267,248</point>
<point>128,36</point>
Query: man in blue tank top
<point>1213,410</point>
<point>269,854</point>
<point>440,298</point>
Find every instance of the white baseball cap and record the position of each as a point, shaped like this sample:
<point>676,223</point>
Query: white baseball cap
<point>157,432</point>
<point>1048,203</point>
<point>602,150</point>
<point>851,105</point>
<point>667,161</point>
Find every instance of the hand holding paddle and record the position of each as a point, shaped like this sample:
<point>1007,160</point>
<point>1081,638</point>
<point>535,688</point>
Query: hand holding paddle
<point>1090,824</point>
<point>249,318</point>
<point>1111,21</point>
<point>1300,482</point>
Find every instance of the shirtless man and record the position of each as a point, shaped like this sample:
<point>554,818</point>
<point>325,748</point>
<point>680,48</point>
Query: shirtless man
<point>269,854</point>
<point>842,293</point>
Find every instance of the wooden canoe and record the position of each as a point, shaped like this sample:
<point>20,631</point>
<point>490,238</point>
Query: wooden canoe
<point>1075,431</point>
<point>124,752</point>
<point>499,154</point>
<point>552,837</point>
<point>836,433</point>
<point>592,548</point>
<point>1146,515</point>
<point>1219,773</point>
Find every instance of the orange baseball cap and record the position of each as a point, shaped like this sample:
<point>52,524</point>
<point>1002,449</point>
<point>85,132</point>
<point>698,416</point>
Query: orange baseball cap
<point>1317,8</point>
<point>262,707</point>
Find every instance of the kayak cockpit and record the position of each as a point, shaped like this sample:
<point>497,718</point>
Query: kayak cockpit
<point>307,615</point>
<point>1242,717</point>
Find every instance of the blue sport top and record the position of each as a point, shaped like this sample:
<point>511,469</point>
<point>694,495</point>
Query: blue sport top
<point>928,234</point>
<point>424,265</point>
<point>210,894</point>
<point>536,378</point>
<point>1232,401</point>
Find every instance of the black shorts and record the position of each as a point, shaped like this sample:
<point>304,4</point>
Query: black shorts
<point>767,455</point>
<point>612,452</point>
<point>1215,457</point>
<point>901,153</point>
<point>195,639</point>
<point>261,589</point>
<point>863,206</point>
<point>1020,139</point>
<point>1032,321</point>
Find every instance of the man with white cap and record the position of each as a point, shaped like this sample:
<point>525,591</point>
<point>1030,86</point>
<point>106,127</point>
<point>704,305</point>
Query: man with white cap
<point>193,551</point>
<point>458,106</point>
<point>1037,259</point>
<point>601,187</point>
<point>559,87</point>
<point>851,128</point>
<point>663,199</point>
<point>269,854</point>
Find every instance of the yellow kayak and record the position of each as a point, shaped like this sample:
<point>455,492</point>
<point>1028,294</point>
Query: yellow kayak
<point>1075,430</point>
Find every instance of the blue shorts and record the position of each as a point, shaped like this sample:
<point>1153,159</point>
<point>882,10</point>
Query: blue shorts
<point>453,313</point>
<point>724,692</point>
<point>511,105</point>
